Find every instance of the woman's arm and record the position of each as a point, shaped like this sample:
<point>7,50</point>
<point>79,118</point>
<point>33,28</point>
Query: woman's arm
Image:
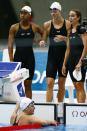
<point>84,53</point>
<point>11,38</point>
<point>46,28</point>
<point>66,57</point>
<point>84,39</point>
<point>68,27</point>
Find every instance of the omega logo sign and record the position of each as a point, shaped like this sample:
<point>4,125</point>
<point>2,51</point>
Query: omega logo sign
<point>79,113</point>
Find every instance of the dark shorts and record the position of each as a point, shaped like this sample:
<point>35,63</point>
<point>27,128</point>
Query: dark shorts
<point>54,66</point>
<point>28,62</point>
<point>83,72</point>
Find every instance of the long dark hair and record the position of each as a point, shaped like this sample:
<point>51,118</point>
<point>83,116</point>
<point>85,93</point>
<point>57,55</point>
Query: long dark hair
<point>78,13</point>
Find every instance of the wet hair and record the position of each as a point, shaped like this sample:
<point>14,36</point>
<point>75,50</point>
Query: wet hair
<point>78,14</point>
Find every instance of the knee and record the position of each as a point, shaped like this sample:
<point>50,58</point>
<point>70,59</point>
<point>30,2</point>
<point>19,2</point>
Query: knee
<point>79,87</point>
<point>50,84</point>
<point>61,84</point>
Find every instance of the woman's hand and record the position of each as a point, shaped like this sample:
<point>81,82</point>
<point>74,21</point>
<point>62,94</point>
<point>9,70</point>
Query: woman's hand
<point>59,38</point>
<point>64,70</point>
<point>42,43</point>
<point>78,66</point>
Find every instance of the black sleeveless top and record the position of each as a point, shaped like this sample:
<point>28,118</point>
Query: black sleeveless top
<point>76,48</point>
<point>24,39</point>
<point>57,47</point>
<point>60,31</point>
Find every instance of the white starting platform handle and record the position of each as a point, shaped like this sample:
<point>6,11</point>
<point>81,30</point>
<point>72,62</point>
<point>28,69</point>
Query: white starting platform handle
<point>23,74</point>
<point>13,85</point>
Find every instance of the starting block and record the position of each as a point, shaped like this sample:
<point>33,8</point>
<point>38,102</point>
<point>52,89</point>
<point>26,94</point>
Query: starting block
<point>12,78</point>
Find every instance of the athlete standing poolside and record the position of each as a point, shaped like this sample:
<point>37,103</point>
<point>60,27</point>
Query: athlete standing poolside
<point>75,53</point>
<point>22,34</point>
<point>57,30</point>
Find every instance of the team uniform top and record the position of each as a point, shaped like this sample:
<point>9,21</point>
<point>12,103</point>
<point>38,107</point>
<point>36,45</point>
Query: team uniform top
<point>24,49</point>
<point>56,51</point>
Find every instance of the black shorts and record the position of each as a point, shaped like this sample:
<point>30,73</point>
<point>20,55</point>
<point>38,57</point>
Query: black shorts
<point>54,65</point>
<point>83,72</point>
<point>27,62</point>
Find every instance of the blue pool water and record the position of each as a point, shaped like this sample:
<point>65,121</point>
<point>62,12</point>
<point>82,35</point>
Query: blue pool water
<point>59,128</point>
